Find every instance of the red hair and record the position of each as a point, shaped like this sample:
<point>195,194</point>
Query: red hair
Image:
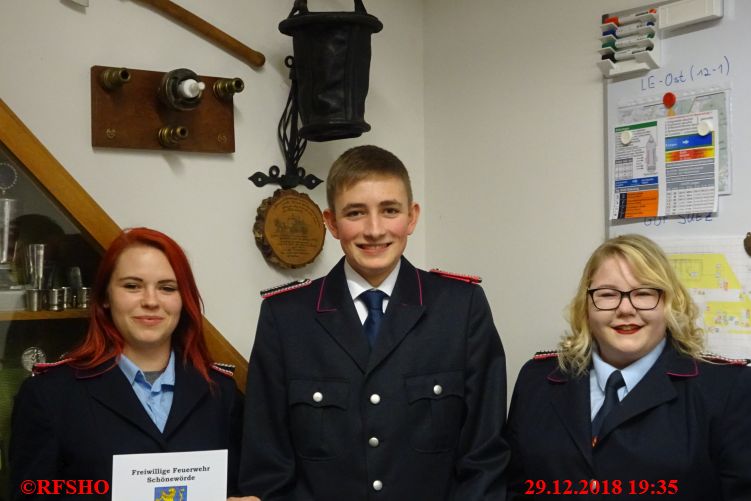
<point>104,342</point>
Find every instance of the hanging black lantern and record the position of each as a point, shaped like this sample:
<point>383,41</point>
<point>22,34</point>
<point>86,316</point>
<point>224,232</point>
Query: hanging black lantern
<point>332,66</point>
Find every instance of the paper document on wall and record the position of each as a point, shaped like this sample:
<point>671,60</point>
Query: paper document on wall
<point>689,101</point>
<point>170,476</point>
<point>665,167</point>
<point>717,273</point>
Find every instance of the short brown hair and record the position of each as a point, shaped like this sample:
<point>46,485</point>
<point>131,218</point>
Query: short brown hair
<point>362,162</point>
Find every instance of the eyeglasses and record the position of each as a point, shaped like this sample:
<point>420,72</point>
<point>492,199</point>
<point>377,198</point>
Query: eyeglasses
<point>645,298</point>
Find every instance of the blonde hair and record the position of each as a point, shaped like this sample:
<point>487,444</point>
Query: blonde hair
<point>651,266</point>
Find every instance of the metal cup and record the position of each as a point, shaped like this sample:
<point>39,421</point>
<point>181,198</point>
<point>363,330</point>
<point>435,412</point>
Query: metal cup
<point>35,261</point>
<point>83,296</point>
<point>35,299</point>
<point>55,299</point>
<point>69,299</point>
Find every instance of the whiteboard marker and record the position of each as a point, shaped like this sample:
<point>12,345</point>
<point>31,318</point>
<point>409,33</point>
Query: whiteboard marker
<point>632,41</point>
<point>633,29</point>
<point>620,20</point>
<point>624,54</point>
<point>628,53</point>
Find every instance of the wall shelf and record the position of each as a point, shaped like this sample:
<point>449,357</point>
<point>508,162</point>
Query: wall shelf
<point>12,316</point>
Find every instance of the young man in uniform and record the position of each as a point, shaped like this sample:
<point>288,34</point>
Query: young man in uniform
<point>348,403</point>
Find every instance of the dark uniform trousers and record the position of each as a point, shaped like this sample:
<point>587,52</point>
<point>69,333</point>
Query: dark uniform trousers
<point>67,424</point>
<point>686,422</point>
<point>419,418</point>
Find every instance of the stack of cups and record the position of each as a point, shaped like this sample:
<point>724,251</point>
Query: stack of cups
<point>8,209</point>
<point>35,261</point>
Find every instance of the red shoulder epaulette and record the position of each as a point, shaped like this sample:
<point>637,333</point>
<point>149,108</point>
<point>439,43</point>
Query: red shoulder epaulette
<point>226,369</point>
<point>719,359</point>
<point>544,355</point>
<point>472,279</point>
<point>42,367</point>
<point>281,289</point>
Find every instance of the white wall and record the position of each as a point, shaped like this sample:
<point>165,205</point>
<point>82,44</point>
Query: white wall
<point>514,154</point>
<point>204,201</point>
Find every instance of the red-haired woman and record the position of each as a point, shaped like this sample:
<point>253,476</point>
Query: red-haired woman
<point>141,382</point>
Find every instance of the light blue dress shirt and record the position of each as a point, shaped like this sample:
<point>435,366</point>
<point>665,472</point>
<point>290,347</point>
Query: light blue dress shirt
<point>156,398</point>
<point>632,374</point>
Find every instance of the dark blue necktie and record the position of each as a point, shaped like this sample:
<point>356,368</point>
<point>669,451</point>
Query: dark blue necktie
<point>373,299</point>
<point>615,381</point>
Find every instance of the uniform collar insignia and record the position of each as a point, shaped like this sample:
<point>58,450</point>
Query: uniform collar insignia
<point>472,279</point>
<point>289,286</point>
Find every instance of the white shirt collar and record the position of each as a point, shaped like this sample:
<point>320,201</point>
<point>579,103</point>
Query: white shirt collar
<point>357,284</point>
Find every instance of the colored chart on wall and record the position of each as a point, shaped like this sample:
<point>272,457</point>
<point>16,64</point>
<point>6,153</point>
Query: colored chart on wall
<point>717,273</point>
<point>686,102</point>
<point>665,167</point>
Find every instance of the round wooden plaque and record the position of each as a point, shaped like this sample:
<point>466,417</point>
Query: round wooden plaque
<point>289,229</point>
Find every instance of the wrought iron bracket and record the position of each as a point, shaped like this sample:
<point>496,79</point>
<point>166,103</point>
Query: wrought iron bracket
<point>291,144</point>
<point>288,180</point>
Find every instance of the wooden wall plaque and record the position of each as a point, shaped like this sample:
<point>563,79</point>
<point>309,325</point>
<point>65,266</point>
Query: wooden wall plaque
<point>289,229</point>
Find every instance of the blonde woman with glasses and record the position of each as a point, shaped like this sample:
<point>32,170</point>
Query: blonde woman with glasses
<point>629,406</point>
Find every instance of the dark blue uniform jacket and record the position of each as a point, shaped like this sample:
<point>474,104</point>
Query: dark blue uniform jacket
<point>420,417</point>
<point>67,424</point>
<point>686,421</point>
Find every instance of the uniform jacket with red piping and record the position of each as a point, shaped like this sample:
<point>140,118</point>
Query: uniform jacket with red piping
<point>419,418</point>
<point>68,423</point>
<point>687,421</point>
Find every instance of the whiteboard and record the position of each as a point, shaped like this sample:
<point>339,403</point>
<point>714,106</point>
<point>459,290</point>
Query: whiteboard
<point>710,57</point>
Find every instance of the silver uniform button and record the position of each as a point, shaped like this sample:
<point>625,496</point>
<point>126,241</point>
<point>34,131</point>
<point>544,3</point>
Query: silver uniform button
<point>318,396</point>
<point>437,389</point>
<point>375,399</point>
<point>377,485</point>
<point>373,441</point>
